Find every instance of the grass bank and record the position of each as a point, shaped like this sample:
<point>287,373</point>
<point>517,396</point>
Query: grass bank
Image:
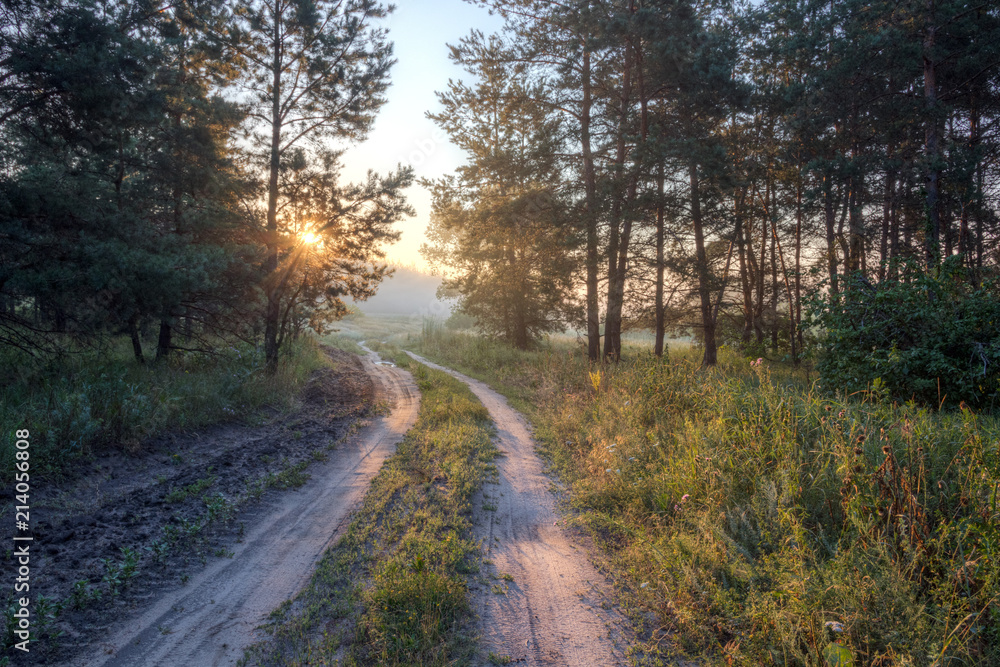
<point>96,399</point>
<point>745,510</point>
<point>393,589</point>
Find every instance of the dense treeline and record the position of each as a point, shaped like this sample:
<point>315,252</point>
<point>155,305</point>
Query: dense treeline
<point>710,166</point>
<point>169,170</point>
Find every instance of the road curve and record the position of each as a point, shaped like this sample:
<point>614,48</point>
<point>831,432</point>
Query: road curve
<point>552,611</point>
<point>211,620</point>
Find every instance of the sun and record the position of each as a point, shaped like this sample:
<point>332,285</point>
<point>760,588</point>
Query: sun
<point>310,238</point>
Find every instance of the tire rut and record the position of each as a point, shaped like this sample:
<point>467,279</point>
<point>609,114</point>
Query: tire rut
<point>216,615</point>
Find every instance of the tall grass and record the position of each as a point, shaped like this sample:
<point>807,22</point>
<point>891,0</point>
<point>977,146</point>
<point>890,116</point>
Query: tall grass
<point>94,400</point>
<point>746,510</point>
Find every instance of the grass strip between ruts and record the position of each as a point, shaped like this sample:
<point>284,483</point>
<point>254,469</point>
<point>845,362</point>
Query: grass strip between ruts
<point>393,590</point>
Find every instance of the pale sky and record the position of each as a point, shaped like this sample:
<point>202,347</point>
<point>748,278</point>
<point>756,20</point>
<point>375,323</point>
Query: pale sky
<point>421,31</point>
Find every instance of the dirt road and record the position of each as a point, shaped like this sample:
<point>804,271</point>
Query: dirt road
<point>549,609</point>
<point>213,618</point>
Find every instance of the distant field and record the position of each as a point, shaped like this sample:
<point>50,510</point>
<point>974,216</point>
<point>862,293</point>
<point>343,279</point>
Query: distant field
<point>408,293</point>
<point>400,328</point>
<point>378,326</point>
<point>640,339</point>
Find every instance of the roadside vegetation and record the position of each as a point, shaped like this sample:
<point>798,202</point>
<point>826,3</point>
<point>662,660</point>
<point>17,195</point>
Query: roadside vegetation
<point>393,591</point>
<point>182,505</point>
<point>80,403</point>
<point>745,509</point>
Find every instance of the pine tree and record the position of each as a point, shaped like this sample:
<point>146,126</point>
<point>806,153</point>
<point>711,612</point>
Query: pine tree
<point>76,254</point>
<point>316,72</point>
<point>499,225</point>
<point>339,232</point>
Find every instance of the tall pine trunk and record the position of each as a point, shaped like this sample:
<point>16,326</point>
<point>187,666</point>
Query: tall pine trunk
<point>659,323</point>
<point>701,260</point>
<point>272,315</point>
<point>590,191</point>
<point>164,340</point>
<point>758,320</point>
<point>964,233</point>
<point>618,238</point>
<point>884,245</point>
<point>932,239</point>
<point>855,231</point>
<point>831,248</point>
<point>797,320</point>
<point>775,292</point>
<point>133,333</point>
<point>745,281</point>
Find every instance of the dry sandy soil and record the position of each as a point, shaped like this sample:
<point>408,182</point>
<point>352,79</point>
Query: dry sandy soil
<point>545,603</point>
<point>199,604</point>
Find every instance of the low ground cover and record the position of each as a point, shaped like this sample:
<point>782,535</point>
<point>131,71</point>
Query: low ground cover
<point>101,399</point>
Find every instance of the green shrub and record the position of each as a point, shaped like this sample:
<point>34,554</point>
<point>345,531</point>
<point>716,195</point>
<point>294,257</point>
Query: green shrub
<point>459,321</point>
<point>931,337</point>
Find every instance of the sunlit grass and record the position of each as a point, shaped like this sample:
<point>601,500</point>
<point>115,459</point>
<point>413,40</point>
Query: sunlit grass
<point>745,508</point>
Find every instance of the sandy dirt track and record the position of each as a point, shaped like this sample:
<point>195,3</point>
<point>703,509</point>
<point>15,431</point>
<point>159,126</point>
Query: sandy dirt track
<point>213,618</point>
<point>553,611</point>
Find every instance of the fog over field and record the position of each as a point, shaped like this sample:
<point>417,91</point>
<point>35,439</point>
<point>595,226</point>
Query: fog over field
<point>408,292</point>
